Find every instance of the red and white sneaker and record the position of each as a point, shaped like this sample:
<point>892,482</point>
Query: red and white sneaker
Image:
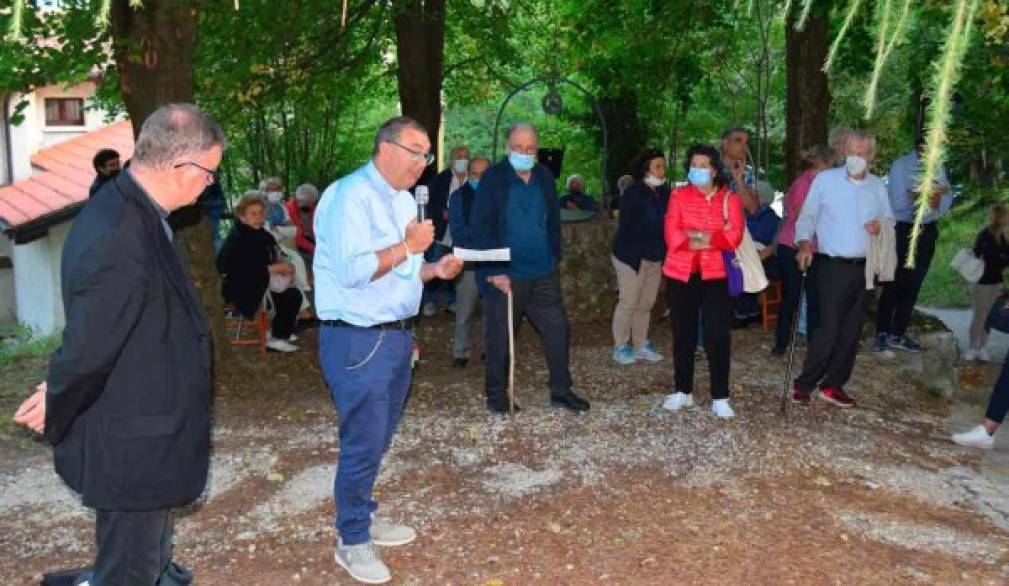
<point>800,397</point>
<point>836,396</point>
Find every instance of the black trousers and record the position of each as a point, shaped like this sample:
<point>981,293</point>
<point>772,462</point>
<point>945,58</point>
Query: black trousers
<point>686,303</point>
<point>134,548</point>
<point>791,283</point>
<point>899,296</point>
<point>830,356</point>
<point>540,301</point>
<point>998,403</point>
<point>287,305</point>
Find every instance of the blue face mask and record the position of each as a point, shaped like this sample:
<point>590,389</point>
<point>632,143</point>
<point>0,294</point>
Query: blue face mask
<point>521,162</point>
<point>474,183</point>
<point>699,176</point>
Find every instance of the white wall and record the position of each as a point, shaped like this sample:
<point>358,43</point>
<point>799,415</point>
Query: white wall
<point>4,178</point>
<point>37,294</point>
<point>33,134</point>
<point>7,315</point>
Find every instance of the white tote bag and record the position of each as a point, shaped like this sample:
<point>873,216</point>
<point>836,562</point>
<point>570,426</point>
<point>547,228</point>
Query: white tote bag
<point>969,266</point>
<point>754,279</point>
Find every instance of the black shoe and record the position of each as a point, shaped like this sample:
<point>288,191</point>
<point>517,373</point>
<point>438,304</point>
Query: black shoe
<point>501,408</point>
<point>570,401</point>
<point>740,323</point>
<point>460,362</point>
<point>779,350</point>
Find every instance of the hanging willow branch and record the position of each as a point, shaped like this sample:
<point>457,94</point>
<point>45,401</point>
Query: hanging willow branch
<point>848,19</point>
<point>883,22</point>
<point>807,6</point>
<point>895,36</point>
<point>17,19</point>
<point>947,73</point>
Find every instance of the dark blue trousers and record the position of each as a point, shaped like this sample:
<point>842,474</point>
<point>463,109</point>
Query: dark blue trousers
<point>998,404</point>
<point>368,375</point>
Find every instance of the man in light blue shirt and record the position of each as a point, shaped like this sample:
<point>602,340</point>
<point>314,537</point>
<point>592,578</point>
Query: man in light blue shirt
<point>369,275</point>
<point>846,206</point>
<point>899,296</point>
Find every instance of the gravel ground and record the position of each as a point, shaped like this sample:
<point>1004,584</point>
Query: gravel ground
<point>625,494</point>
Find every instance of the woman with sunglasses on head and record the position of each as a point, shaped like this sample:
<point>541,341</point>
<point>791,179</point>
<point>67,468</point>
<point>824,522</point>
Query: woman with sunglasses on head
<point>638,250</point>
<point>704,220</point>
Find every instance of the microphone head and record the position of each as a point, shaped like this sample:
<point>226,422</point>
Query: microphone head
<point>420,194</point>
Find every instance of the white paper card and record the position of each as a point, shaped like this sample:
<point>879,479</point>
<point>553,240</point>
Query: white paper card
<point>490,255</point>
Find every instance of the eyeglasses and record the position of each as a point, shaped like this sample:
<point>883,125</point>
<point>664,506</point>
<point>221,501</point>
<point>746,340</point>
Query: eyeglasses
<point>416,156</point>
<point>211,174</point>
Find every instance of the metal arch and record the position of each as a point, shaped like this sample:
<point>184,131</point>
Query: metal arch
<point>595,107</point>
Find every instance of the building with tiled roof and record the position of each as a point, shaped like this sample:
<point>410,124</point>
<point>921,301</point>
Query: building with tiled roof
<point>46,172</point>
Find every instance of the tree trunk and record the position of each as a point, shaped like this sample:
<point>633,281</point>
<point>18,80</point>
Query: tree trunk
<point>807,104</point>
<point>628,136</point>
<point>153,48</point>
<point>420,51</point>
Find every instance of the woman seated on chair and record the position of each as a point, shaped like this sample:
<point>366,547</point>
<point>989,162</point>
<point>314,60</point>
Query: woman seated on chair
<point>250,263</point>
<point>762,223</point>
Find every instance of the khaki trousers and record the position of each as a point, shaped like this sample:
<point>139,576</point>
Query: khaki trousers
<point>637,296</point>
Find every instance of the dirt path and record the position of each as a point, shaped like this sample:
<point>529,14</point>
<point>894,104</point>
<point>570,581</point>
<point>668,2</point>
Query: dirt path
<point>627,494</point>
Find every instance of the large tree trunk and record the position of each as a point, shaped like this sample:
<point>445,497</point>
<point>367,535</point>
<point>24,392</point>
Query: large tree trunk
<point>807,105</point>
<point>627,135</point>
<point>420,50</point>
<point>153,48</point>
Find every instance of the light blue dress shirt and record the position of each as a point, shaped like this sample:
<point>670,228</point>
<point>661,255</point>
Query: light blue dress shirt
<point>837,210</point>
<point>356,216</point>
<point>903,177</point>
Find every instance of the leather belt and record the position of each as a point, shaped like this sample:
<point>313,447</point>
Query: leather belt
<point>400,324</point>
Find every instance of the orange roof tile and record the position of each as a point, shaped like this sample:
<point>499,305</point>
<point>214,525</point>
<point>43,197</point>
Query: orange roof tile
<point>66,174</point>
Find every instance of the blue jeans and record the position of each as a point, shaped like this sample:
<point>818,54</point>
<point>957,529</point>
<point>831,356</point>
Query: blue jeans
<point>368,375</point>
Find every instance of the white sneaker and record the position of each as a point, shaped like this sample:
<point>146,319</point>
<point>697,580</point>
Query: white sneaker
<point>677,400</point>
<point>280,345</point>
<point>983,355</point>
<point>970,355</point>
<point>976,437</point>
<point>388,534</point>
<point>721,408</point>
<point>362,563</point>
<point>648,354</point>
<point>292,338</point>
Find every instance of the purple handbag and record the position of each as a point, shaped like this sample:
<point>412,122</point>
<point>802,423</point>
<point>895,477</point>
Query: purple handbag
<point>733,272</point>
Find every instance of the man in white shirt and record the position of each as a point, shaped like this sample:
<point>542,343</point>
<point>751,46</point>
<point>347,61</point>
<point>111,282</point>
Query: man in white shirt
<point>844,209</point>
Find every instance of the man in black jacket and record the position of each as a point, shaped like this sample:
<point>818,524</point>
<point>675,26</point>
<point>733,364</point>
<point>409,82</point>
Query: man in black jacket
<point>107,165</point>
<point>126,403</point>
<point>440,187</point>
<point>516,207</point>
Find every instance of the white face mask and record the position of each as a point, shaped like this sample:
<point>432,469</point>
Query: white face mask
<point>460,166</point>
<point>274,196</point>
<point>653,181</point>
<point>855,165</point>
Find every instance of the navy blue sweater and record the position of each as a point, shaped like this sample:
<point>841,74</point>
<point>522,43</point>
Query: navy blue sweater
<point>639,235</point>
<point>489,217</point>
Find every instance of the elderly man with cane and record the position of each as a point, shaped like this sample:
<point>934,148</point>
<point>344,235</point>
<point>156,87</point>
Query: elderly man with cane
<point>369,276</point>
<point>516,207</point>
<point>844,209</point>
<point>126,403</point>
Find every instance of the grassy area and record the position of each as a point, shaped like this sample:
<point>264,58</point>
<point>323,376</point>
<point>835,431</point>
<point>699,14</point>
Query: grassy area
<point>943,286</point>
<point>23,360</point>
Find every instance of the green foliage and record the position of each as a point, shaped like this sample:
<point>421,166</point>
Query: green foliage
<point>23,344</point>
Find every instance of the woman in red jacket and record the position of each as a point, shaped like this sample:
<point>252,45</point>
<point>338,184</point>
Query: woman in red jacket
<point>703,220</point>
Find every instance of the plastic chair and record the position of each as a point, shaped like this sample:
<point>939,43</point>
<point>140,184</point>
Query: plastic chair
<point>770,301</point>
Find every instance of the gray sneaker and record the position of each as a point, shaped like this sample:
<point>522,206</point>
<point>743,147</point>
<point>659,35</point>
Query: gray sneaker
<point>387,534</point>
<point>362,563</point>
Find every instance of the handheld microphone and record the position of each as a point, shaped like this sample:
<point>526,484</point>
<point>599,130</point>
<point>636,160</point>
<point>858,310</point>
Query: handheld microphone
<point>420,194</point>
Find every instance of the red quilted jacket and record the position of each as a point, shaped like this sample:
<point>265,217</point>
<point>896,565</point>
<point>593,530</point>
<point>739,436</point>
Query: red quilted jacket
<point>689,210</point>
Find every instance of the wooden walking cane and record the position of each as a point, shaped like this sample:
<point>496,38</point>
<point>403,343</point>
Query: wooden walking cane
<point>511,356</point>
